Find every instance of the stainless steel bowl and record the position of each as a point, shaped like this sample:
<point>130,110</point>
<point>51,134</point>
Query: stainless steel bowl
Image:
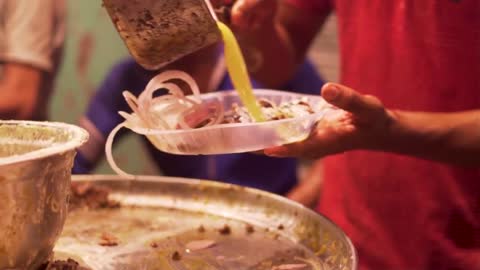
<point>158,32</point>
<point>35,170</point>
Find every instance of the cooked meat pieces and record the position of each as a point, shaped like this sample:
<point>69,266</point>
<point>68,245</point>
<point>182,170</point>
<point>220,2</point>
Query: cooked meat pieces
<point>201,229</point>
<point>176,256</point>
<point>225,230</point>
<point>63,265</point>
<point>249,229</point>
<point>291,109</point>
<point>108,240</point>
<point>237,115</point>
<point>87,195</point>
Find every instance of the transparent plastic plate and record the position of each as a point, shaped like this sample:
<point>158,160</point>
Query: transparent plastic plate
<point>240,137</point>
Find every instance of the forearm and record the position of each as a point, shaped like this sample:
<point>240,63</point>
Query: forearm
<point>19,91</point>
<point>93,150</point>
<point>446,137</point>
<point>307,192</point>
<point>9,105</point>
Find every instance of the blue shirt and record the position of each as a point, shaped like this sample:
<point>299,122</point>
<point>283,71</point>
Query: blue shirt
<point>246,169</point>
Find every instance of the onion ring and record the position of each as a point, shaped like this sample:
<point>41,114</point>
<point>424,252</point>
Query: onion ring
<point>109,153</point>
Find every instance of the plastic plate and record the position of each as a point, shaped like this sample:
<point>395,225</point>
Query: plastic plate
<point>239,137</point>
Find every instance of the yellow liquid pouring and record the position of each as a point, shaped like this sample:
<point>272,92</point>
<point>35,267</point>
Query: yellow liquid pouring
<point>238,72</point>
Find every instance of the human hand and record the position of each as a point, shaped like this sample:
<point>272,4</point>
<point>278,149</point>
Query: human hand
<point>248,15</point>
<point>365,124</point>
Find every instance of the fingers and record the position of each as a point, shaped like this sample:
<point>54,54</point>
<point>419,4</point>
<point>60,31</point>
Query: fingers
<point>362,106</point>
<point>248,14</point>
<point>291,150</point>
<point>259,152</point>
<point>325,141</point>
<point>358,127</point>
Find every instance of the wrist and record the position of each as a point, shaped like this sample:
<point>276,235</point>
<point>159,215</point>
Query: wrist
<point>396,133</point>
<point>410,133</point>
<point>392,135</point>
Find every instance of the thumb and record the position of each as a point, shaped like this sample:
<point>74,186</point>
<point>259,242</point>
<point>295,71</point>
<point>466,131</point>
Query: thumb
<point>345,98</point>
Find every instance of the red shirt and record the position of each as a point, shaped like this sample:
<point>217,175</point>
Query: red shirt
<point>404,213</point>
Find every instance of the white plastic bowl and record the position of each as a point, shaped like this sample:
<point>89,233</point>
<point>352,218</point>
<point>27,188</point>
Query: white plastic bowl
<point>239,137</point>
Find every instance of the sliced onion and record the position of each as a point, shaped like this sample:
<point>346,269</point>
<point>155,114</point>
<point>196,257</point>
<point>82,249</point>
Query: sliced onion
<point>173,75</point>
<point>173,110</point>
<point>109,153</point>
<point>147,102</point>
<point>182,121</point>
<point>131,101</point>
<point>146,107</point>
<point>132,120</point>
<point>186,100</point>
<point>151,113</point>
<point>180,75</point>
<point>147,95</point>
<point>173,89</point>
<point>163,100</point>
<point>202,112</point>
<point>125,115</point>
<point>140,112</point>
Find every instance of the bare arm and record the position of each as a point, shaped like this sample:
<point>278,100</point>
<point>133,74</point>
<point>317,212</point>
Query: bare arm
<point>19,91</point>
<point>281,32</point>
<point>93,150</point>
<point>446,137</point>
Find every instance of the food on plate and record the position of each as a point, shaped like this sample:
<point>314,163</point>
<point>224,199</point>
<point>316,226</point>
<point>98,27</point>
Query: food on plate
<point>174,110</point>
<point>163,106</point>
<point>291,109</point>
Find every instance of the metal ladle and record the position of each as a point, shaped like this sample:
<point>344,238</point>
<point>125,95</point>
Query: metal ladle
<point>158,32</point>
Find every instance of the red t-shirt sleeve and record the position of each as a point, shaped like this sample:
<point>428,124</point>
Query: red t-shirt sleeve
<point>313,5</point>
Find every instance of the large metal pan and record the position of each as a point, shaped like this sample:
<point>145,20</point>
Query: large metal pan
<point>166,213</point>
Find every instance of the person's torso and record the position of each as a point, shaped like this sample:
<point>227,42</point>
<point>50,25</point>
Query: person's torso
<point>251,170</point>
<point>401,212</point>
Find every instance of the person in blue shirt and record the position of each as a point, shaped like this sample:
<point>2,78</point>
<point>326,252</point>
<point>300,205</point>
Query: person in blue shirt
<point>258,171</point>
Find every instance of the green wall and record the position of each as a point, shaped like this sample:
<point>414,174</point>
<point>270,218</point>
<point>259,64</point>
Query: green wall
<point>93,46</point>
